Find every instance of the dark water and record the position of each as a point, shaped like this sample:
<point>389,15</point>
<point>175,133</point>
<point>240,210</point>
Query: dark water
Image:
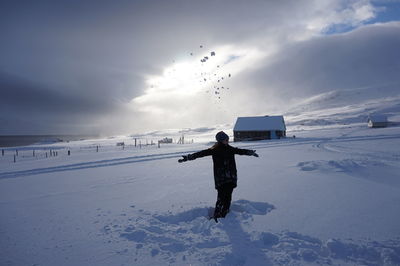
<point>23,140</point>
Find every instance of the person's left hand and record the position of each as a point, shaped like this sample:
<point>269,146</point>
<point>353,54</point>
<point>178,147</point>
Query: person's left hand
<point>185,158</point>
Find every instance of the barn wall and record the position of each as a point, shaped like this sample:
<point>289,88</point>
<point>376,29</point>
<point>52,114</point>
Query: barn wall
<point>251,135</point>
<point>257,135</point>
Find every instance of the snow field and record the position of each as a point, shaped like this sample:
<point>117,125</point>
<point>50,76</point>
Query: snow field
<point>328,197</point>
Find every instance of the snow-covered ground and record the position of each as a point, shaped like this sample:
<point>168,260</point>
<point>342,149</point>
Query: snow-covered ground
<point>329,196</point>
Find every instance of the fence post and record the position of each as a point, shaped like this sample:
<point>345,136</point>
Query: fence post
<point>158,144</point>
<point>69,152</point>
<point>46,154</point>
<point>15,158</point>
<point>135,142</point>
<point>97,148</point>
<point>16,152</point>
<point>33,153</point>
<point>2,152</point>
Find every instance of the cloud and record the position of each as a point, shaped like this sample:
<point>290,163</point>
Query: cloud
<point>24,102</point>
<point>271,83</point>
<point>104,59</point>
<point>364,57</point>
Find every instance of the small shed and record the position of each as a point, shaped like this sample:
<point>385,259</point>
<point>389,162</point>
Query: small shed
<point>377,121</point>
<point>165,140</point>
<point>259,128</point>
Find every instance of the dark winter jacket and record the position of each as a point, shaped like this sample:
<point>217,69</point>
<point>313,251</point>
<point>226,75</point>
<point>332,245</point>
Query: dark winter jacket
<point>224,162</point>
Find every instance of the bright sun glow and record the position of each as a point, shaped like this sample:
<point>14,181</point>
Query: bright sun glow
<point>206,73</point>
<point>181,77</point>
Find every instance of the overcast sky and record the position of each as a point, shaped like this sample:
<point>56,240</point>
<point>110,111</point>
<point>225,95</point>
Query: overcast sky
<point>117,67</point>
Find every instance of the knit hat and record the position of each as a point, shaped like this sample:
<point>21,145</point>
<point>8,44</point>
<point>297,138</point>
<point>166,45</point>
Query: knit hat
<point>221,136</point>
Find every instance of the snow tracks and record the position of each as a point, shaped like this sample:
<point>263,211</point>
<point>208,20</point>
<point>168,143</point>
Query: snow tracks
<point>91,164</point>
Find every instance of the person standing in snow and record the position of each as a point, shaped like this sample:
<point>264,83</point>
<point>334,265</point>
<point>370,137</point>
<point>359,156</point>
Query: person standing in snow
<point>225,173</point>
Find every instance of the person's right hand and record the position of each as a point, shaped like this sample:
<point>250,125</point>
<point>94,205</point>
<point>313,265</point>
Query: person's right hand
<point>254,153</point>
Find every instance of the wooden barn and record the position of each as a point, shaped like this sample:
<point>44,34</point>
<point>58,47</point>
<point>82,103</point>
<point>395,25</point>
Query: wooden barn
<point>259,128</point>
<point>377,121</point>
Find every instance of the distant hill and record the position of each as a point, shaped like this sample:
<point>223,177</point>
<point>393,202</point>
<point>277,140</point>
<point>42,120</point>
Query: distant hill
<point>346,106</point>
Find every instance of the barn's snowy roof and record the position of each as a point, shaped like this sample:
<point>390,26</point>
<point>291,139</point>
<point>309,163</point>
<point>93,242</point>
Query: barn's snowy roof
<point>260,123</point>
<point>377,118</point>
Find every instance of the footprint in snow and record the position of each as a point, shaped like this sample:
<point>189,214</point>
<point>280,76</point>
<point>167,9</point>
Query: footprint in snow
<point>189,236</point>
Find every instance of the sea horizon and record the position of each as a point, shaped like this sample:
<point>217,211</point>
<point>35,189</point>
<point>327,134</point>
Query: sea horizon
<point>7,141</point>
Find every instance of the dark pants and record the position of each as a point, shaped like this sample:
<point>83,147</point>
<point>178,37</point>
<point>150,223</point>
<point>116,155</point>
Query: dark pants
<point>223,201</point>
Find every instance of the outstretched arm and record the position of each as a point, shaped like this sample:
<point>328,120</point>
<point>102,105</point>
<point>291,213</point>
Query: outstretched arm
<point>195,155</point>
<point>245,152</point>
